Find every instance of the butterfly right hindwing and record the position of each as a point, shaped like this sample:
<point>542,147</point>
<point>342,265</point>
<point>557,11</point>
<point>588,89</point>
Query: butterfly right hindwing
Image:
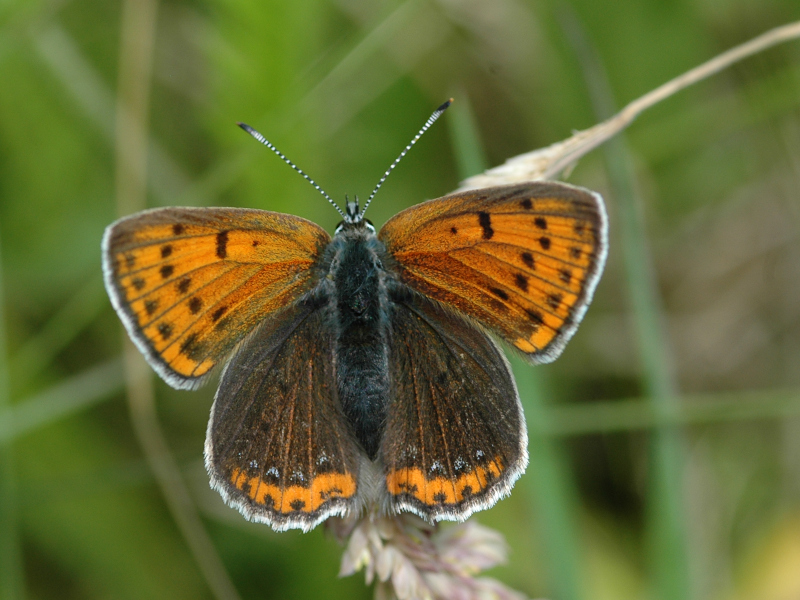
<point>455,438</point>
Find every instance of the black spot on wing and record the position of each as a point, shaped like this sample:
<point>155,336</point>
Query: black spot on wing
<point>540,222</point>
<point>485,221</point>
<point>544,242</point>
<point>554,300</point>
<point>410,488</point>
<point>526,204</point>
<point>521,281</point>
<point>499,293</point>
<point>565,275</point>
<point>165,329</point>
<point>166,271</point>
<point>191,347</point>
<point>138,283</point>
<point>151,306</point>
<point>527,258</point>
<point>246,489</point>
<point>215,316</point>
<point>183,285</point>
<point>178,229</point>
<point>536,318</point>
<point>222,244</point>
<point>271,476</point>
<point>195,304</point>
<point>166,250</point>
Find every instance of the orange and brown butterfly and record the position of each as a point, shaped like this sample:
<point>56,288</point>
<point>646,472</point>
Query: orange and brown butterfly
<point>362,371</point>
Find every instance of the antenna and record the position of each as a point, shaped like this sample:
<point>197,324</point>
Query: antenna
<point>269,145</point>
<point>436,114</point>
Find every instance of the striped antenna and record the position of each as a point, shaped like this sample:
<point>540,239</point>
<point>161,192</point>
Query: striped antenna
<point>269,145</point>
<point>436,114</point>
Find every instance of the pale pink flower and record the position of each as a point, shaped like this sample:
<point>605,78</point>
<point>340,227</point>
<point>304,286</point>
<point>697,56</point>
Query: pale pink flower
<point>409,559</point>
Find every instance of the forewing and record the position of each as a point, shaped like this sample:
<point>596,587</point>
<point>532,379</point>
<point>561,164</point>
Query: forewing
<point>523,260</point>
<point>277,447</point>
<point>190,283</point>
<point>455,438</point>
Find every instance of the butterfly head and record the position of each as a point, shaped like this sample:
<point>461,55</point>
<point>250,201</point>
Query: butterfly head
<point>354,218</point>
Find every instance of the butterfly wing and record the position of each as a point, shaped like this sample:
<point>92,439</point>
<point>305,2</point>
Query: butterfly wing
<point>455,438</point>
<point>191,283</point>
<point>523,260</point>
<point>277,447</point>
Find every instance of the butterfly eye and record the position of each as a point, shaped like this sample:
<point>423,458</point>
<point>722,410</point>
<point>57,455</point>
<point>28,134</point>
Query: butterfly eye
<point>369,225</point>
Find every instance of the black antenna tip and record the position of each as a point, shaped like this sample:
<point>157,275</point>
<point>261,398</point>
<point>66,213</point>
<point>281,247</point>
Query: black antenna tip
<point>445,105</point>
<point>245,126</point>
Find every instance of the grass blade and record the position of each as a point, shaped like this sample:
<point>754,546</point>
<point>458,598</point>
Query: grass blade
<point>666,518</point>
<point>66,398</point>
<point>12,578</point>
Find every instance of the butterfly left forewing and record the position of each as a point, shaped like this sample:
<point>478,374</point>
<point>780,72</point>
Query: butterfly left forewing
<point>190,283</point>
<point>454,440</point>
<point>523,260</point>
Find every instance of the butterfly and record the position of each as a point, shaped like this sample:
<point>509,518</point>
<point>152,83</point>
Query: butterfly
<point>362,371</point>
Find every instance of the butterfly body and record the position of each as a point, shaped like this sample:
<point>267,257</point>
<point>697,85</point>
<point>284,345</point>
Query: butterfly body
<point>359,316</point>
<point>361,374</point>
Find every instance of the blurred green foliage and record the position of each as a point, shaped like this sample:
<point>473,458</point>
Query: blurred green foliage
<point>340,87</point>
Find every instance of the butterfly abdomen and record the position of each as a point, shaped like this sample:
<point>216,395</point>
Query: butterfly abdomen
<point>361,353</point>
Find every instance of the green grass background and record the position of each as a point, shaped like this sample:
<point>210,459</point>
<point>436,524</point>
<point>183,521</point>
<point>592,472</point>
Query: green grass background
<point>665,442</point>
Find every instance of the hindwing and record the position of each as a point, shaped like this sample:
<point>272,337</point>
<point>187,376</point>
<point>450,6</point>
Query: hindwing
<point>455,438</point>
<point>278,447</point>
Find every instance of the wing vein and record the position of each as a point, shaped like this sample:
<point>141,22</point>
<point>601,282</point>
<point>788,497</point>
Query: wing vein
<point>288,446</point>
<point>447,455</point>
<point>171,280</point>
<point>512,290</point>
<point>530,273</point>
<point>183,298</point>
<point>256,395</point>
<point>452,345</point>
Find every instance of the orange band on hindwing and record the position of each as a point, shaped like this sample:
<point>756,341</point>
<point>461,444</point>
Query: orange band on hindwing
<point>441,490</point>
<point>295,498</point>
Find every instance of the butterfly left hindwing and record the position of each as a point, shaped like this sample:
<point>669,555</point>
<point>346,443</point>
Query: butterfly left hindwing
<point>277,446</point>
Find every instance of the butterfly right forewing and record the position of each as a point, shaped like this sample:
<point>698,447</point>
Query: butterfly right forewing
<point>523,259</point>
